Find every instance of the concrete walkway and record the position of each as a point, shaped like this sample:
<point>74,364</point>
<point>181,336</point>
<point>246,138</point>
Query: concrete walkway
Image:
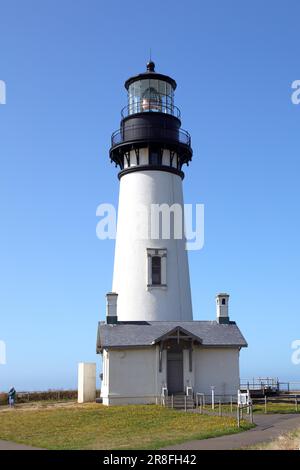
<point>268,427</point>
<point>8,445</point>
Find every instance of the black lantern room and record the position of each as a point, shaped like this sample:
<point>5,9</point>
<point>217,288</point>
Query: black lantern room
<point>150,136</point>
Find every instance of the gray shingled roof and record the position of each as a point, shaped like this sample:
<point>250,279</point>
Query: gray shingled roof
<point>134,334</point>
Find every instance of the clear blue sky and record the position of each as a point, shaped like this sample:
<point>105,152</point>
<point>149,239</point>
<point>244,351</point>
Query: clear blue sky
<point>64,64</point>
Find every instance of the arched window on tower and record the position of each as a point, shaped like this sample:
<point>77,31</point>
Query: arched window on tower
<point>223,302</point>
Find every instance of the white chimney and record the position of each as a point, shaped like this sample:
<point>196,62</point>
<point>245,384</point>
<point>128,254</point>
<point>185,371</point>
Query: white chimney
<point>111,308</point>
<point>222,308</point>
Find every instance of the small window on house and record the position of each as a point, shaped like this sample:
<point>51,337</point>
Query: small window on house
<point>223,302</point>
<point>156,270</point>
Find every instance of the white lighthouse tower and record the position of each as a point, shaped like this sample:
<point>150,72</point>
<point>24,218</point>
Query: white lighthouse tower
<point>151,274</point>
<point>150,345</point>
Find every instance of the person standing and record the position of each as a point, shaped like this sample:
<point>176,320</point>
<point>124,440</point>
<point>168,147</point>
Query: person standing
<point>12,397</point>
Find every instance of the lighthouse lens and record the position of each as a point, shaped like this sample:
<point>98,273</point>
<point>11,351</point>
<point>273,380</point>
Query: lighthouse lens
<point>150,95</point>
<point>151,101</point>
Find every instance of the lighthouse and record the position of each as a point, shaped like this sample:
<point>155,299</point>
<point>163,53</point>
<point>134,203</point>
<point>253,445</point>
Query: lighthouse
<point>150,344</point>
<point>151,274</point>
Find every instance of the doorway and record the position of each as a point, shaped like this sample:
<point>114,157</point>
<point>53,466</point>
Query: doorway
<point>175,372</point>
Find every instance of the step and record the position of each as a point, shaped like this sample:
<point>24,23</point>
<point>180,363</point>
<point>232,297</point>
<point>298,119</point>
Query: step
<point>180,402</point>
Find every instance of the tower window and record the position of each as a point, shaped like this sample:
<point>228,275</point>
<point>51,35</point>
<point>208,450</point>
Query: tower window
<point>153,157</point>
<point>223,302</point>
<point>156,270</point>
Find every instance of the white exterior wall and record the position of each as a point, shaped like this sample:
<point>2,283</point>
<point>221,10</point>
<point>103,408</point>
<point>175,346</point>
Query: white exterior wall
<point>188,376</point>
<point>132,376</point>
<point>86,382</point>
<point>105,372</point>
<point>135,300</point>
<point>218,367</point>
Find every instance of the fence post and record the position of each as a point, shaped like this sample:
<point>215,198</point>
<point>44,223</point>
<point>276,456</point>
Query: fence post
<point>172,401</point>
<point>266,404</point>
<point>184,402</point>
<point>220,408</point>
<point>231,404</point>
<point>251,413</point>
<point>238,416</point>
<point>296,404</point>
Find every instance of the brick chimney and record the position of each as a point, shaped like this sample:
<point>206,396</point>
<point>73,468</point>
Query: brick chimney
<point>111,308</point>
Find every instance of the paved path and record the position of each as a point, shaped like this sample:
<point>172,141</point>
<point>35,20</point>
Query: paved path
<point>268,427</point>
<point>8,445</point>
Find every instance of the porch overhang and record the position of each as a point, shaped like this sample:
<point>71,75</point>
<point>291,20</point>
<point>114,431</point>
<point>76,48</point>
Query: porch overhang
<point>178,333</point>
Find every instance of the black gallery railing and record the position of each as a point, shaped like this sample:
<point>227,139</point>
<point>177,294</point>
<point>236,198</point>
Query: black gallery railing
<point>150,105</point>
<point>150,133</point>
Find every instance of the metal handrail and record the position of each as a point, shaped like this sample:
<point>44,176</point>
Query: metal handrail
<point>149,106</point>
<point>151,133</point>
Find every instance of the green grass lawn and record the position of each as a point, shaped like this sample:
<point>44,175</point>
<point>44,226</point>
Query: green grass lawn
<point>260,408</point>
<point>276,408</point>
<point>94,426</point>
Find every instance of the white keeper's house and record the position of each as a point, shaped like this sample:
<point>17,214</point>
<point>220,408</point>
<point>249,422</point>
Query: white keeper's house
<point>150,343</point>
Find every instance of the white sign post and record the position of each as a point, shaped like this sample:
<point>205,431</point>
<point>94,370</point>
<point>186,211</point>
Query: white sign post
<point>244,401</point>
<point>212,397</point>
<point>243,398</point>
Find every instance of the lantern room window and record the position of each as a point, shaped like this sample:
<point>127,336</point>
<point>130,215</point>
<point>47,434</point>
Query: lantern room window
<point>150,95</point>
<point>151,100</point>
